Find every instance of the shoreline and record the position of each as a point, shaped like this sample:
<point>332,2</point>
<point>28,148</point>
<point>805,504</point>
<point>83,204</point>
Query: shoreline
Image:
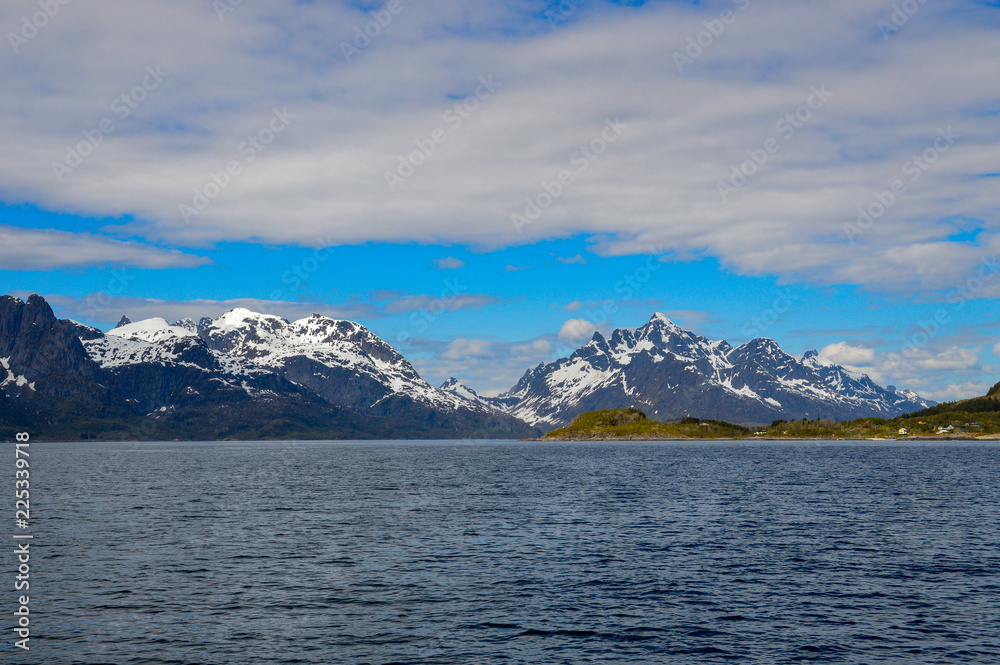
<point>931,437</point>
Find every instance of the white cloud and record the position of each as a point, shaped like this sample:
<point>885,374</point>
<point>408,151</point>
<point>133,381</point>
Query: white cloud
<point>539,349</point>
<point>843,353</point>
<point>575,331</point>
<point>578,259</point>
<point>955,358</point>
<point>449,263</point>
<point>462,348</point>
<point>437,304</point>
<point>655,187</point>
<point>956,391</point>
<point>105,310</point>
<point>490,367</point>
<point>46,249</point>
<point>996,349</point>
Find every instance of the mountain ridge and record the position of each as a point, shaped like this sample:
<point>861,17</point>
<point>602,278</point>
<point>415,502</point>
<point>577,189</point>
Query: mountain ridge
<point>238,375</point>
<point>330,378</point>
<point>673,373</point>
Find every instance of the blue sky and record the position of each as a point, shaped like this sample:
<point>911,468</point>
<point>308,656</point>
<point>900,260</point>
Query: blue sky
<point>486,185</point>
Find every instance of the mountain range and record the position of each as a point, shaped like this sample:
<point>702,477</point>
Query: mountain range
<point>252,376</point>
<point>671,373</point>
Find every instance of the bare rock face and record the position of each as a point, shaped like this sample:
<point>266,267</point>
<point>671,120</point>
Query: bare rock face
<point>42,352</point>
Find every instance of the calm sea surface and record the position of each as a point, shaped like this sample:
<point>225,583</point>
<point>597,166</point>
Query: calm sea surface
<point>437,553</point>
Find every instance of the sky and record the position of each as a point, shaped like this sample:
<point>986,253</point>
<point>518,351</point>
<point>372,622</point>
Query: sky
<point>486,184</point>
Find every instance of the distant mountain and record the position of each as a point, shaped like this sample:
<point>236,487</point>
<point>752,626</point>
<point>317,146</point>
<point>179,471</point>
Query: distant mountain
<point>243,375</point>
<point>251,375</point>
<point>671,373</point>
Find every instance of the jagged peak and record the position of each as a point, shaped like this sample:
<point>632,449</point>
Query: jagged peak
<point>124,321</point>
<point>764,344</point>
<point>813,358</point>
<point>661,320</point>
<point>238,316</point>
<point>456,387</point>
<point>187,323</point>
<point>154,329</point>
<point>314,319</point>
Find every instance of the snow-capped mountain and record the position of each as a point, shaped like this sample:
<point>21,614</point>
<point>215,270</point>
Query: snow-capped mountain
<point>316,377</point>
<point>670,373</point>
<point>342,361</point>
<point>246,374</point>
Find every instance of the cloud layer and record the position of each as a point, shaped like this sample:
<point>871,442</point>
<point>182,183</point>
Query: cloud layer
<point>487,109</point>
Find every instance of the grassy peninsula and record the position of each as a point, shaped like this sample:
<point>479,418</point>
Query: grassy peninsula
<point>977,418</point>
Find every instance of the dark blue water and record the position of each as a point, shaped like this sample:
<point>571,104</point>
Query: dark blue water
<point>513,553</point>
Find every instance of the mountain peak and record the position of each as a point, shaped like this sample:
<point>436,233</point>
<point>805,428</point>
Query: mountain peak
<point>235,318</point>
<point>186,323</point>
<point>663,320</point>
<point>456,387</point>
<point>124,321</point>
<point>155,329</point>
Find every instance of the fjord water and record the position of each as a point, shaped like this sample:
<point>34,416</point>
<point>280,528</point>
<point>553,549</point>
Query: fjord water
<point>507,552</point>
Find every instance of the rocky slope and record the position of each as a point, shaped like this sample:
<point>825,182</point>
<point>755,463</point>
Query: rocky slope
<point>243,375</point>
<point>670,373</point>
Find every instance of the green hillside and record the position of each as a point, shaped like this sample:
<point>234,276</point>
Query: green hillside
<point>633,424</point>
<point>970,418</point>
